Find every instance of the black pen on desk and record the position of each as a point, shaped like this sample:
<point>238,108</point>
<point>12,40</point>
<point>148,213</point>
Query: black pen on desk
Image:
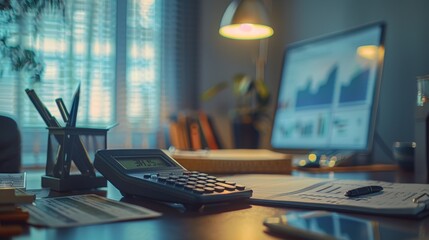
<point>363,191</point>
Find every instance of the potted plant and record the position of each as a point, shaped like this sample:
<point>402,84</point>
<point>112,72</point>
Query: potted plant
<point>20,57</point>
<point>250,110</point>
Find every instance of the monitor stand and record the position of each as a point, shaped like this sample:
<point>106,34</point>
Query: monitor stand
<point>332,158</point>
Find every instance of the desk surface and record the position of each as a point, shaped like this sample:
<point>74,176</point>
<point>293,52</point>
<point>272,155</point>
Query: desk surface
<point>240,221</point>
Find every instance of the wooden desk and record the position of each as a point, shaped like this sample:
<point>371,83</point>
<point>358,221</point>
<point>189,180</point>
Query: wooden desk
<point>220,222</point>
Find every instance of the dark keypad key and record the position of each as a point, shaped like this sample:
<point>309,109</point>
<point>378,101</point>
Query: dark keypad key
<point>198,190</point>
<point>208,190</point>
<point>162,179</point>
<point>221,180</point>
<point>191,183</point>
<point>226,186</point>
<point>189,187</point>
<point>170,181</point>
<point>230,183</point>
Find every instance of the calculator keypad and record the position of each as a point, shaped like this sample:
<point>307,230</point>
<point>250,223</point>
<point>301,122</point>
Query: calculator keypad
<point>200,183</point>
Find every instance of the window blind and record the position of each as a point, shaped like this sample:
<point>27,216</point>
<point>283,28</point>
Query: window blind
<point>138,77</point>
<point>77,47</point>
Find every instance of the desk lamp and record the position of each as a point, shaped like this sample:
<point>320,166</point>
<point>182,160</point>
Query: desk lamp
<point>248,20</point>
<point>245,20</point>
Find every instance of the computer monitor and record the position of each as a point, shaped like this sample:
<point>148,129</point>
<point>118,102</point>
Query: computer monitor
<point>328,94</point>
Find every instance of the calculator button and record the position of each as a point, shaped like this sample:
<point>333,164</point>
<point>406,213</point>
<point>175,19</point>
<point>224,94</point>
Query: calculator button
<point>199,186</point>
<point>226,186</point>
<point>201,182</point>
<point>221,180</point>
<point>210,185</point>
<point>182,180</point>
<point>202,174</point>
<point>191,183</point>
<point>193,179</point>
<point>179,184</point>
<point>208,190</point>
<point>162,179</point>
<point>189,187</point>
<point>199,190</point>
<point>219,189</point>
<point>211,177</point>
<point>174,177</point>
<point>194,172</point>
<point>170,181</point>
<point>211,181</point>
<point>240,187</point>
<point>186,173</point>
<point>202,178</point>
<point>230,183</point>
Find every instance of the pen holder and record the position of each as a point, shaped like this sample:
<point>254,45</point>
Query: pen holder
<point>69,159</point>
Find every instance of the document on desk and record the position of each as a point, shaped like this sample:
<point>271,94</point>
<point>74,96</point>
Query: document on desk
<point>400,199</point>
<point>86,209</point>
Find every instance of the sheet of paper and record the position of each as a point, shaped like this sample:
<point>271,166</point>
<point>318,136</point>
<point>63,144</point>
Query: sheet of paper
<point>396,198</point>
<point>83,210</point>
<point>14,180</point>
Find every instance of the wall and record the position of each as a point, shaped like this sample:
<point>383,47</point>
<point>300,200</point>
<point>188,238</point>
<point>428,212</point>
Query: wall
<point>407,53</point>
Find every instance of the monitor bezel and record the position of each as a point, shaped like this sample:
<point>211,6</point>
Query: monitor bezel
<point>376,94</point>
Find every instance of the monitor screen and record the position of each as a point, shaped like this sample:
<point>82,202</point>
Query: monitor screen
<point>328,92</point>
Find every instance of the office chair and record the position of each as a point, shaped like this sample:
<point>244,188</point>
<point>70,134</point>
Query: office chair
<point>10,146</point>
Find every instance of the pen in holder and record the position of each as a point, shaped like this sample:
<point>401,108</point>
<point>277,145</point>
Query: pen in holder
<point>69,165</point>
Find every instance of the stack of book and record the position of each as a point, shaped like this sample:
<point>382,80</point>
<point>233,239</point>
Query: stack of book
<point>12,217</point>
<point>193,131</point>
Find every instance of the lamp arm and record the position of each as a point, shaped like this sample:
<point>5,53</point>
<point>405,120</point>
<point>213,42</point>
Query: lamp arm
<point>261,59</point>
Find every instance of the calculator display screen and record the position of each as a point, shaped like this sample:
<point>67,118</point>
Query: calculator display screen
<point>142,163</point>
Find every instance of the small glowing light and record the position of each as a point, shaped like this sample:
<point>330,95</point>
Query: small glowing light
<point>370,52</point>
<point>331,163</point>
<point>246,31</point>
<point>312,157</point>
<point>302,162</point>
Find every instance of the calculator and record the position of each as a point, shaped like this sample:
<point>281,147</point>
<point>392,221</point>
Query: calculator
<point>153,174</point>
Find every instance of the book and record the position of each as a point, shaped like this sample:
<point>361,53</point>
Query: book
<point>208,131</point>
<point>15,196</point>
<point>17,215</point>
<point>194,134</point>
<point>234,161</point>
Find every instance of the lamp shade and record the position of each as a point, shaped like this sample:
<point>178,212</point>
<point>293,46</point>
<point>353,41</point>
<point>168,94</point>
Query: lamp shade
<point>246,20</point>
